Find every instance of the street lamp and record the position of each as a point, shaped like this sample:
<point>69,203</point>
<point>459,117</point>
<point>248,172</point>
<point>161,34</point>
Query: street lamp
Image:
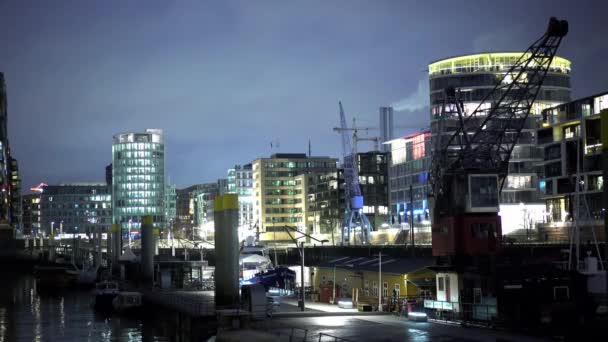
<point>300,247</point>
<point>52,232</point>
<point>129,232</point>
<point>380,287</point>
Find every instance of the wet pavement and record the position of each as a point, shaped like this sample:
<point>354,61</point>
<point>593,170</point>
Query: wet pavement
<point>381,328</point>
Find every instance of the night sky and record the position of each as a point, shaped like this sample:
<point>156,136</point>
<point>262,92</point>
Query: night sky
<point>225,78</point>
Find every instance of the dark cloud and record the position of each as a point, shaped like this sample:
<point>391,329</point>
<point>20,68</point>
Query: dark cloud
<point>225,78</point>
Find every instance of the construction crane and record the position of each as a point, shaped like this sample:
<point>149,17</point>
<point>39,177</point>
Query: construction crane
<point>353,216</point>
<point>470,162</point>
<point>356,138</point>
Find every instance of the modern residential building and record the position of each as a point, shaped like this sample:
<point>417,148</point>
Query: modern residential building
<point>186,205</point>
<point>16,210</point>
<point>280,186</point>
<point>75,208</point>
<point>31,214</point>
<point>373,180</point>
<point>109,174</point>
<point>170,204</point>
<point>10,202</point>
<point>571,142</point>
<point>326,206</point>
<point>222,185</point>
<point>231,181</point>
<point>240,182</point>
<point>138,178</point>
<point>4,156</point>
<point>204,224</point>
<point>475,76</point>
<point>408,174</point>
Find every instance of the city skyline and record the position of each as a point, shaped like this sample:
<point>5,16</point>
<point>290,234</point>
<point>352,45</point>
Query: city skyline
<point>214,89</point>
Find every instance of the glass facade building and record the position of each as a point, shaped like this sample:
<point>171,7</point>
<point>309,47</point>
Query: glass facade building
<point>475,76</point>
<point>75,208</point>
<point>138,178</point>
<point>569,132</point>
<point>170,204</point>
<point>280,192</point>
<point>240,182</point>
<point>408,174</point>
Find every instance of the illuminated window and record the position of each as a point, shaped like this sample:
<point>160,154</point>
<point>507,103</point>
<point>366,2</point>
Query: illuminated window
<point>600,103</point>
<point>519,182</point>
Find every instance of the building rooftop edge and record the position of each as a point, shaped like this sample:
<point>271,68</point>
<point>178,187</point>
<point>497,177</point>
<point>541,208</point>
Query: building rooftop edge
<point>146,131</point>
<point>484,53</point>
<point>605,92</point>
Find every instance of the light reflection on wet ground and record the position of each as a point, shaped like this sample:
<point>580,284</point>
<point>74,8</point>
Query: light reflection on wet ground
<point>384,328</point>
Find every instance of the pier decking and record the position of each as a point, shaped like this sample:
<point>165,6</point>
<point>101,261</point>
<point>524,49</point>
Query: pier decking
<point>192,303</point>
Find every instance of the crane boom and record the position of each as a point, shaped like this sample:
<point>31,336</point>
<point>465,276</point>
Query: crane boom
<point>489,147</point>
<point>470,163</point>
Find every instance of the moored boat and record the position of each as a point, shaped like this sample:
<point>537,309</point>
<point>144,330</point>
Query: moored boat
<point>55,276</point>
<point>127,302</point>
<point>104,295</point>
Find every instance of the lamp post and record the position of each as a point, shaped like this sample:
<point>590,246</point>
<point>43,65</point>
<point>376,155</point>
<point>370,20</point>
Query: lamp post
<point>129,232</point>
<point>380,281</point>
<point>300,247</point>
<point>380,287</point>
<point>302,274</point>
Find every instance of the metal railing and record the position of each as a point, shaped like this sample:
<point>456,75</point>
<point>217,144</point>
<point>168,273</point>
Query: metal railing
<point>465,313</point>
<point>328,337</point>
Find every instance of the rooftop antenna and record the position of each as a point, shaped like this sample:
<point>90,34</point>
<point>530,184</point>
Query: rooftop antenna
<point>274,144</point>
<point>309,149</point>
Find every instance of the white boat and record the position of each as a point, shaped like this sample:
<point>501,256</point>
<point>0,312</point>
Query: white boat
<point>126,302</point>
<point>253,260</point>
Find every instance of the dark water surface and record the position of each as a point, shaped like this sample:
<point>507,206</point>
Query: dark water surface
<point>30,315</point>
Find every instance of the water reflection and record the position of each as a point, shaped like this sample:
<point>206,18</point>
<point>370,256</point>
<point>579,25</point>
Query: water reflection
<point>30,315</point>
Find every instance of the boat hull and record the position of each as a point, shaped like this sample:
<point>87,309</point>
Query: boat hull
<point>103,302</point>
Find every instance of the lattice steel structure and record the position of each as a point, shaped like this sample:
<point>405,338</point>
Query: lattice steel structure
<point>354,216</point>
<point>487,147</point>
<point>470,164</point>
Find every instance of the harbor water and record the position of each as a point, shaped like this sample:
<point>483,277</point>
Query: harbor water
<point>31,314</point>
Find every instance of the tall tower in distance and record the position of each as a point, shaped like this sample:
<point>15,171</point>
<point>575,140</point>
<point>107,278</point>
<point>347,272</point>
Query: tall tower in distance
<point>386,127</point>
<point>138,179</point>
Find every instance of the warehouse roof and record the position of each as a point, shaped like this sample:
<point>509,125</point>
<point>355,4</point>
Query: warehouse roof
<point>389,264</point>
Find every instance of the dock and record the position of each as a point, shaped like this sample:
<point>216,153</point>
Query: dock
<point>191,303</point>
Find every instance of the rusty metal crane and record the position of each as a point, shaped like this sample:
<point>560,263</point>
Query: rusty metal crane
<point>470,162</point>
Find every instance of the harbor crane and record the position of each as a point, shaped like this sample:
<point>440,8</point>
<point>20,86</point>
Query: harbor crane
<point>356,138</point>
<point>354,217</point>
<point>470,161</point>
